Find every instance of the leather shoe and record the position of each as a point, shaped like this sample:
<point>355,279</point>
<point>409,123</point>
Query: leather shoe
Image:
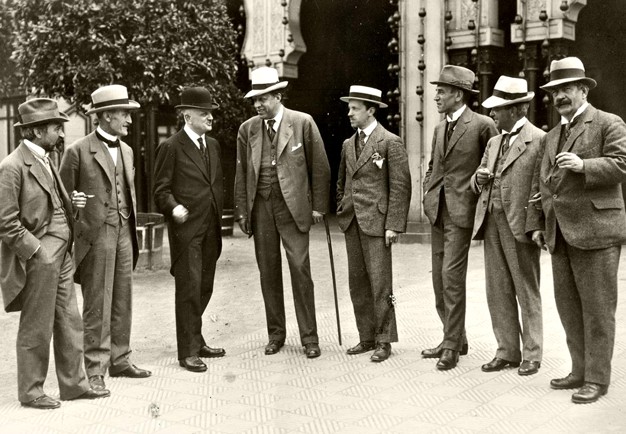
<point>312,350</point>
<point>97,382</point>
<point>132,372</point>
<point>93,394</point>
<point>193,364</point>
<point>382,353</point>
<point>529,367</point>
<point>273,347</point>
<point>498,364</point>
<point>207,351</point>
<point>569,382</point>
<point>448,360</point>
<point>44,402</point>
<point>590,392</point>
<point>360,348</point>
<point>435,353</point>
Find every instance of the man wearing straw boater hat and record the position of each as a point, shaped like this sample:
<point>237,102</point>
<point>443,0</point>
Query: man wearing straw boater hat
<point>580,187</point>
<point>100,166</point>
<point>188,190</point>
<point>282,187</point>
<point>449,203</point>
<point>373,195</point>
<point>504,182</point>
<point>36,260</point>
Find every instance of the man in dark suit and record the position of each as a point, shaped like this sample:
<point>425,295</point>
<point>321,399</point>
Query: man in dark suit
<point>580,185</point>
<point>449,203</point>
<point>36,260</point>
<point>282,185</point>
<point>188,190</point>
<point>101,166</point>
<point>373,195</point>
<point>504,182</point>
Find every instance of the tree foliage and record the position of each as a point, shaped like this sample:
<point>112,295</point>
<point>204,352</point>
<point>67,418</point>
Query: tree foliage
<point>9,82</point>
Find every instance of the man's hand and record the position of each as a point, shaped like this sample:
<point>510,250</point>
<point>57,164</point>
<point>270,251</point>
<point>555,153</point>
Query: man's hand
<point>317,217</point>
<point>539,239</point>
<point>390,237</point>
<point>79,199</point>
<point>568,160</point>
<point>483,176</point>
<point>245,226</point>
<point>180,214</point>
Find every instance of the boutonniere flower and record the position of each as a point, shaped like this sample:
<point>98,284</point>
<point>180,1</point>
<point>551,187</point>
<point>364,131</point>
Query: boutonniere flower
<point>377,159</point>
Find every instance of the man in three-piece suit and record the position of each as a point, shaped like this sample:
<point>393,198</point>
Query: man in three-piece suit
<point>504,182</point>
<point>580,185</point>
<point>188,190</point>
<point>36,260</point>
<point>101,166</point>
<point>373,195</point>
<point>282,185</point>
<point>449,203</point>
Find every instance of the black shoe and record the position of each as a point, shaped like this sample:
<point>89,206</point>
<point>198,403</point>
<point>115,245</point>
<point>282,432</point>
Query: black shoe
<point>382,353</point>
<point>448,360</point>
<point>44,402</point>
<point>312,350</point>
<point>435,353</point>
<point>97,382</point>
<point>273,347</point>
<point>193,364</point>
<point>93,394</point>
<point>209,352</point>
<point>360,348</point>
<point>569,382</point>
<point>131,372</point>
<point>529,367</point>
<point>498,364</point>
<point>590,392</point>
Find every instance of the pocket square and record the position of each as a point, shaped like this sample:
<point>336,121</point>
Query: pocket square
<point>295,147</point>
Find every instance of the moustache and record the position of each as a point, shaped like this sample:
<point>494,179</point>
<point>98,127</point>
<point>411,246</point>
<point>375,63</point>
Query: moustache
<point>561,102</point>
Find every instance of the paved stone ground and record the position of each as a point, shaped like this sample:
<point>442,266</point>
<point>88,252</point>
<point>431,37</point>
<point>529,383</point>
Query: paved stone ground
<point>248,392</point>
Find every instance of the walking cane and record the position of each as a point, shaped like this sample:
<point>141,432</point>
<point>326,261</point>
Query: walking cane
<point>332,269</point>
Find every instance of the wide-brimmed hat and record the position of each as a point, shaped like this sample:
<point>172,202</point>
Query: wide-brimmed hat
<point>508,91</point>
<point>111,97</point>
<point>568,70</point>
<point>197,98</point>
<point>264,80</point>
<point>457,76</point>
<point>365,93</point>
<point>39,111</point>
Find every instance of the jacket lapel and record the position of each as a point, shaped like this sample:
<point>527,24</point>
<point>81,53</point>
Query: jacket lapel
<point>369,148</point>
<point>285,131</point>
<point>351,153</point>
<point>213,155</point>
<point>459,129</point>
<point>578,129</point>
<point>36,169</point>
<point>97,148</point>
<point>190,148</point>
<point>519,145</point>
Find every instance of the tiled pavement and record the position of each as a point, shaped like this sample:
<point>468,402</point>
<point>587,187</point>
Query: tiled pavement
<point>248,392</point>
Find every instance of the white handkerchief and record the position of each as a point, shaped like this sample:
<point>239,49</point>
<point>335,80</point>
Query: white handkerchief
<point>295,147</point>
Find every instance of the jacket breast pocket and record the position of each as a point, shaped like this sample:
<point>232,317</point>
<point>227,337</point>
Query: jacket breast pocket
<point>607,203</point>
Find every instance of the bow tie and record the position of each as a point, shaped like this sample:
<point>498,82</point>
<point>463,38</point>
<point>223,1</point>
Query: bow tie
<point>110,143</point>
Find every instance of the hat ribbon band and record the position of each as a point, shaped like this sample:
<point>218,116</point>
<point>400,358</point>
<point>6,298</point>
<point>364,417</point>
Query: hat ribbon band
<point>365,96</point>
<point>40,115</point>
<point>262,86</point>
<point>111,102</point>
<point>559,74</point>
<point>508,95</point>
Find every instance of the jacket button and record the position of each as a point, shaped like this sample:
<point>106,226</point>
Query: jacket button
<point>554,196</point>
<point>106,203</point>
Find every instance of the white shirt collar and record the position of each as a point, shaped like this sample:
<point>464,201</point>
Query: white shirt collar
<point>581,109</point>
<point>36,149</point>
<point>368,130</point>
<point>519,124</point>
<point>277,118</point>
<point>193,135</point>
<point>106,135</point>
<point>456,115</point>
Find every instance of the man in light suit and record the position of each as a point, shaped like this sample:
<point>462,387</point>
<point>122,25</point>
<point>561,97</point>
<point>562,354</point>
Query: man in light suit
<point>36,260</point>
<point>449,203</point>
<point>504,183</point>
<point>282,185</point>
<point>373,195</point>
<point>101,166</point>
<point>580,185</point>
<point>188,190</point>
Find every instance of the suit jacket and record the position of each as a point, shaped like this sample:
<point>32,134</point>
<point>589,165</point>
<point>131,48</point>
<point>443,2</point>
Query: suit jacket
<point>453,171</point>
<point>589,206</point>
<point>25,214</point>
<point>378,197</point>
<point>181,178</point>
<point>84,168</point>
<point>515,182</point>
<point>302,167</point>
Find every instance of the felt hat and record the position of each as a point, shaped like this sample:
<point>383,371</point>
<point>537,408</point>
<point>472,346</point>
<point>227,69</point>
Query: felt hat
<point>39,111</point>
<point>457,76</point>
<point>365,93</point>
<point>508,91</point>
<point>567,70</point>
<point>111,97</point>
<point>264,80</point>
<point>197,98</point>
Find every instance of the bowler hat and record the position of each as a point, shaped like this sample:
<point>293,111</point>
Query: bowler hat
<point>365,93</point>
<point>197,98</point>
<point>264,80</point>
<point>508,91</point>
<point>567,70</point>
<point>457,76</point>
<point>111,97</point>
<point>39,111</point>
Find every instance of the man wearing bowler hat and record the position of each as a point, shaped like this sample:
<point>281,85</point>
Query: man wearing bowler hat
<point>504,183</point>
<point>449,203</point>
<point>188,190</point>
<point>101,166</point>
<point>36,260</point>
<point>282,185</point>
<point>584,225</point>
<point>373,195</point>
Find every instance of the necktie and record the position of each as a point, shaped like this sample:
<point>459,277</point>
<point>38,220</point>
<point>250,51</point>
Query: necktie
<point>506,140</point>
<point>203,151</point>
<point>450,129</point>
<point>360,144</point>
<point>270,129</point>
<point>566,131</point>
<point>110,143</point>
<point>46,163</point>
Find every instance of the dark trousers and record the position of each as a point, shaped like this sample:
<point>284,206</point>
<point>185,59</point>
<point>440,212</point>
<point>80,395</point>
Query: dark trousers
<point>585,290</point>
<point>272,223</point>
<point>194,273</point>
<point>370,279</point>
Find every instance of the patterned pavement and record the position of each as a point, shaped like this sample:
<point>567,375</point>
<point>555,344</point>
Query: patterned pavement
<point>248,392</point>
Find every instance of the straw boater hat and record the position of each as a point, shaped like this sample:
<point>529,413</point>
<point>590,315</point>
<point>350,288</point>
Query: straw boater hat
<point>112,97</point>
<point>264,80</point>
<point>364,93</point>
<point>508,91</point>
<point>457,76</point>
<point>39,111</point>
<point>197,98</point>
<point>567,70</point>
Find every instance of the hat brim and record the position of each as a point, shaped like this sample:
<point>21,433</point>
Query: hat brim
<point>132,105</point>
<point>62,118</point>
<point>379,103</point>
<point>472,91</point>
<point>556,83</point>
<point>213,106</point>
<point>256,92</point>
<point>495,101</point>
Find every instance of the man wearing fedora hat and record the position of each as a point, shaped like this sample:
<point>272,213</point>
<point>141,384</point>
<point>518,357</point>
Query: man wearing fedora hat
<point>101,166</point>
<point>504,182</point>
<point>583,224</point>
<point>282,185</point>
<point>373,196</point>
<point>36,260</point>
<point>449,203</point>
<point>188,190</point>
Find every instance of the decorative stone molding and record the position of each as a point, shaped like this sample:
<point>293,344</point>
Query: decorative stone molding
<point>558,25</point>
